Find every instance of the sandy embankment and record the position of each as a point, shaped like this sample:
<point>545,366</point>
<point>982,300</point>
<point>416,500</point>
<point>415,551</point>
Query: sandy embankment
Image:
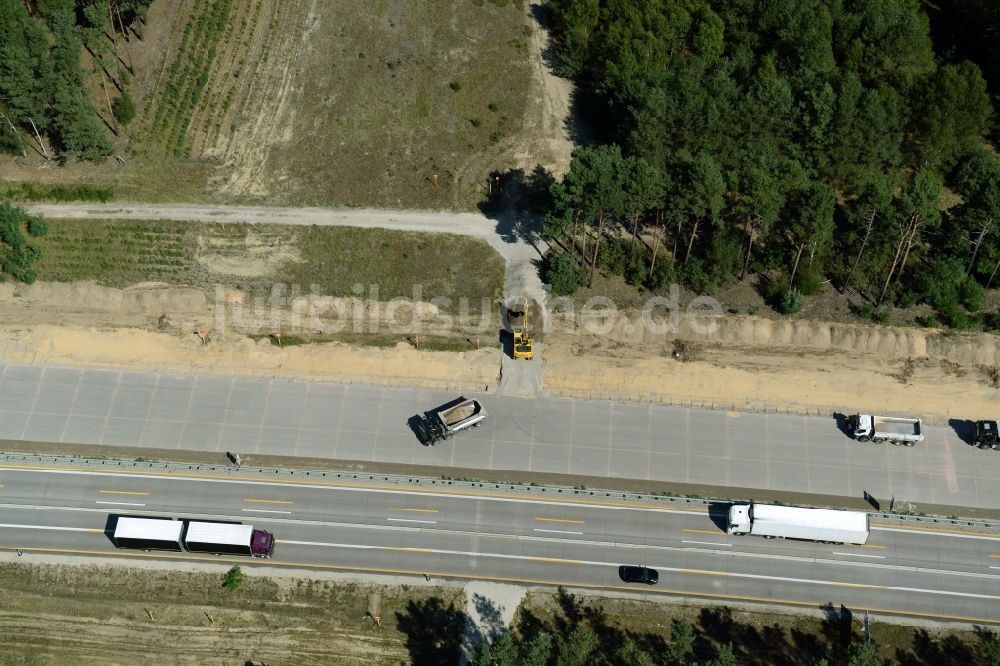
<point>239,356</point>
<point>746,364</point>
<point>754,364</point>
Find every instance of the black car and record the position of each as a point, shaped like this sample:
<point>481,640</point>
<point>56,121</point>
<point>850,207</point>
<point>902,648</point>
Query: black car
<point>633,574</point>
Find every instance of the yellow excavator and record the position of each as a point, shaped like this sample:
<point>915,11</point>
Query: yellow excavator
<point>524,342</point>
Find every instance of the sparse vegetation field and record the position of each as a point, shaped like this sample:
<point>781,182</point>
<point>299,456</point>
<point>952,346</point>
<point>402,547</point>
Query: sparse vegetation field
<point>254,257</point>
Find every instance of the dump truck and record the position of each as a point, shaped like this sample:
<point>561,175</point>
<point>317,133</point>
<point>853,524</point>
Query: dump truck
<point>879,429</point>
<point>792,522</point>
<point>445,421</point>
<point>985,435</point>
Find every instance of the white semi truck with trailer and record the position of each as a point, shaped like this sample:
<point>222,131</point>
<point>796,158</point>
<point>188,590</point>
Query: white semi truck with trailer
<point>793,522</point>
<point>198,537</point>
<point>879,429</point>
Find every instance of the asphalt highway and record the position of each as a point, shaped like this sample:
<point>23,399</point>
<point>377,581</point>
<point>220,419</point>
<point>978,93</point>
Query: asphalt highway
<point>928,573</point>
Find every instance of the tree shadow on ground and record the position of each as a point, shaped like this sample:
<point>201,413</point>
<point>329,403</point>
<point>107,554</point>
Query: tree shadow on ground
<point>929,651</point>
<point>517,202</point>
<point>756,646</point>
<point>490,615</point>
<point>433,631</point>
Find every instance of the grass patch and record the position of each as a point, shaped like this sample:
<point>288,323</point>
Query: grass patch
<point>254,257</point>
<point>39,192</point>
<point>58,614</point>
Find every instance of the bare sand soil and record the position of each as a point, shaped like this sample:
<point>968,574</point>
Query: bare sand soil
<point>748,363</point>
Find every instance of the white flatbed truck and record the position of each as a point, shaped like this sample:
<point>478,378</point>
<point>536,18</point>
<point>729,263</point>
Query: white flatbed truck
<point>879,429</point>
<point>793,522</point>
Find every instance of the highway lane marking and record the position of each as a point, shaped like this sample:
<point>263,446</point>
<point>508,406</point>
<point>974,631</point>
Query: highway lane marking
<point>123,492</point>
<point>377,488</point>
<point>871,545</point>
<point>700,572</point>
<point>555,560</point>
<point>538,529</point>
<point>880,557</point>
<point>547,539</point>
<point>560,520</point>
<point>507,579</point>
<point>267,501</point>
<point>121,503</point>
<point>265,511</point>
<point>995,555</point>
<point>709,543</point>
<point>417,510</point>
<point>935,531</point>
<point>712,532</point>
<point>49,527</point>
<point>412,520</point>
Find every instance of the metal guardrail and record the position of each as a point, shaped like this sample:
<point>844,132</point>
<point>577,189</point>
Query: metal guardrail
<point>517,489</point>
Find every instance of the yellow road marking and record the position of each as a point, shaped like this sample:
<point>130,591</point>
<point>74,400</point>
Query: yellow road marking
<point>997,555</point>
<point>507,579</point>
<point>733,415</point>
<point>555,560</point>
<point>96,531</point>
<point>123,492</point>
<point>936,529</point>
<point>372,486</point>
<point>417,510</point>
<point>560,520</point>
<point>267,501</point>
<point>861,585</point>
<point>714,532</point>
<point>871,545</point>
<point>701,572</point>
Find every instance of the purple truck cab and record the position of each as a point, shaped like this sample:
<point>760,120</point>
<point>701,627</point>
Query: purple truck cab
<point>262,544</point>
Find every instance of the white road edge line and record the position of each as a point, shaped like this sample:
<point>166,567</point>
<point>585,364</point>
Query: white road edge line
<point>122,503</point>
<point>877,557</point>
<point>557,531</point>
<point>47,527</point>
<point>727,574</point>
<point>908,530</point>
<point>709,543</point>
<point>412,520</point>
<point>266,511</point>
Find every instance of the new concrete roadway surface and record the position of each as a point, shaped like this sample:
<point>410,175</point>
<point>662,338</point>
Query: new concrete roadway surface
<point>408,529</point>
<point>546,435</point>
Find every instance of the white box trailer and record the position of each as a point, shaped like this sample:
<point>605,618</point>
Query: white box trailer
<point>148,533</point>
<point>228,539</point>
<point>793,522</point>
<point>878,429</point>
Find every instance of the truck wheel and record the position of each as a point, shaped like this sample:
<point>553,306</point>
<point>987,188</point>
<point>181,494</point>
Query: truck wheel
<point>863,439</point>
<point>879,441</point>
<point>909,443</point>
